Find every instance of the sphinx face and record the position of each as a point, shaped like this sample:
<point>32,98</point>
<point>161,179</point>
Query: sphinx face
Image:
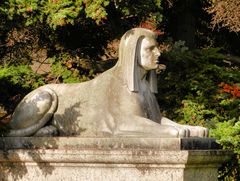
<point>149,54</point>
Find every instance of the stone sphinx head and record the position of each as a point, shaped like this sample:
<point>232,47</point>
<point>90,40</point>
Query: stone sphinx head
<point>138,50</point>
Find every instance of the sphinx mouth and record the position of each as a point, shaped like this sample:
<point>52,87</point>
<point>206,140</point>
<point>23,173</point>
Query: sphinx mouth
<point>157,62</point>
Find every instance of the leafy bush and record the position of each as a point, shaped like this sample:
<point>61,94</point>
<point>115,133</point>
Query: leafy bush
<point>20,75</point>
<point>228,135</point>
<point>57,13</point>
<point>201,87</point>
<point>54,12</point>
<point>15,82</point>
<point>192,80</point>
<point>67,68</point>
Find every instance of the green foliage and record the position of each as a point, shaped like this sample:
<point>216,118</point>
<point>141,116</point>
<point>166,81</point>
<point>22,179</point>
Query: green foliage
<point>54,12</point>
<point>201,88</point>
<point>68,69</point>
<point>60,71</point>
<point>20,75</point>
<point>59,13</point>
<point>228,134</point>
<point>96,9</point>
<point>148,9</point>
<point>192,81</point>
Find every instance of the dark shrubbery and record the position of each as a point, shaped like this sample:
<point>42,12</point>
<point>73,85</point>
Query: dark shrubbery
<point>202,87</point>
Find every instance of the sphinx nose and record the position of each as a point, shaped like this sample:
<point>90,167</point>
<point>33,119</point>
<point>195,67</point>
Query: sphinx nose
<point>157,52</point>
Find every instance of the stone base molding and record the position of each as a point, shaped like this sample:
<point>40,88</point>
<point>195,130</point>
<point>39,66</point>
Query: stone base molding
<point>113,159</point>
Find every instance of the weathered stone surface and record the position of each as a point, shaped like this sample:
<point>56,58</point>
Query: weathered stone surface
<point>108,143</point>
<point>109,159</point>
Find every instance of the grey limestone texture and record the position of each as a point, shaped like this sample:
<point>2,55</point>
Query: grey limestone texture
<point>110,159</point>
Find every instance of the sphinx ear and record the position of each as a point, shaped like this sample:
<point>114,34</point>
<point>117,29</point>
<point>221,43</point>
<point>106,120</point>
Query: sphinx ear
<point>152,79</point>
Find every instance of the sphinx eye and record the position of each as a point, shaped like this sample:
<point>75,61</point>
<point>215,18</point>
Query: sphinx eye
<point>151,48</point>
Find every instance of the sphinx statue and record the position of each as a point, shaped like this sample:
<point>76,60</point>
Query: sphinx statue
<point>120,102</point>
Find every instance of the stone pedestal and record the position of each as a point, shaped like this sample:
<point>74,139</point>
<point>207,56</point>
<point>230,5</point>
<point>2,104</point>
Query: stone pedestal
<point>113,159</point>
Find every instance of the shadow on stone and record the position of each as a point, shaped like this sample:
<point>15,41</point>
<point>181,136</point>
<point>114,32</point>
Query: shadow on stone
<point>68,122</point>
<point>16,161</point>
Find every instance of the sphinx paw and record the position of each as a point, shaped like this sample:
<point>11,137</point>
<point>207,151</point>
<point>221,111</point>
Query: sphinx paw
<point>198,131</point>
<point>183,132</point>
<point>204,132</point>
